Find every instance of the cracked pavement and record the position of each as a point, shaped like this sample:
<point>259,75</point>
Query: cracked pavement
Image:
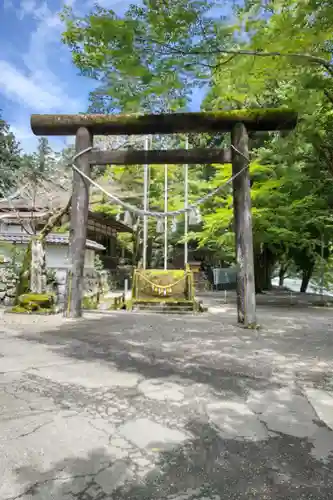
<point>140,406</point>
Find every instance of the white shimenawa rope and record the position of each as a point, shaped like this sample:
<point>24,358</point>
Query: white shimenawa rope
<point>149,213</point>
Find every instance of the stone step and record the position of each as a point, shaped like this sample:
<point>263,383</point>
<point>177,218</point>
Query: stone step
<point>163,310</point>
<point>168,308</point>
<point>164,307</point>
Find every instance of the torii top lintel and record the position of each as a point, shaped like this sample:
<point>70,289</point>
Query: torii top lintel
<point>166,123</point>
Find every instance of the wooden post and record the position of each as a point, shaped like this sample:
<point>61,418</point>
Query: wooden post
<point>246,299</point>
<point>78,227</point>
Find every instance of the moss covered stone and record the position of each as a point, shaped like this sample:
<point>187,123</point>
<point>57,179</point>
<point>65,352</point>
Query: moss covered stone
<point>18,309</point>
<point>41,299</point>
<point>89,302</point>
<point>22,310</point>
<point>33,302</point>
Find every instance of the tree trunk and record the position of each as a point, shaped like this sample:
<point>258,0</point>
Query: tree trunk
<point>136,255</point>
<point>23,285</point>
<point>149,252</point>
<point>258,271</point>
<point>269,261</point>
<point>282,274</point>
<point>32,276</point>
<point>263,266</point>
<point>38,267</point>
<point>306,276</point>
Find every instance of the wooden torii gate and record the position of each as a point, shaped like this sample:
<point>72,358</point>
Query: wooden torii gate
<point>237,122</point>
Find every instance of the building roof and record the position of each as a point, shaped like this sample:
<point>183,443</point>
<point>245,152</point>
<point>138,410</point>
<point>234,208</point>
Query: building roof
<point>17,215</point>
<point>22,212</point>
<point>53,192</point>
<point>53,238</point>
<point>109,220</point>
<point>20,204</point>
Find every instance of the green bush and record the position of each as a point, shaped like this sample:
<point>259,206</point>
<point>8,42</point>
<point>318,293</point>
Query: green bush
<point>89,302</point>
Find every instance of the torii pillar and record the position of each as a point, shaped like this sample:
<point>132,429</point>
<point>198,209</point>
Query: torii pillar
<point>78,227</point>
<point>246,299</point>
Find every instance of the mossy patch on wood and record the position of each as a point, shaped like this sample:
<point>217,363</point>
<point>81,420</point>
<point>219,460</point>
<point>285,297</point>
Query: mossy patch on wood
<point>165,123</point>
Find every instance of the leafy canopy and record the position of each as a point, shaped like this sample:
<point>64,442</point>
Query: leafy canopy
<point>10,161</point>
<point>150,58</point>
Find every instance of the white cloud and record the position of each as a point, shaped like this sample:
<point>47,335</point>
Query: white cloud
<point>119,6</point>
<point>44,39</point>
<point>26,8</point>
<point>18,87</point>
<point>8,4</point>
<point>41,90</point>
<point>33,8</point>
<point>21,132</point>
<point>36,82</point>
<point>28,141</point>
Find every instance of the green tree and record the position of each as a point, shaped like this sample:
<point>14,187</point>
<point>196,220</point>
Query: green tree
<point>10,160</point>
<point>270,54</point>
<point>283,58</point>
<point>151,57</point>
<point>291,186</point>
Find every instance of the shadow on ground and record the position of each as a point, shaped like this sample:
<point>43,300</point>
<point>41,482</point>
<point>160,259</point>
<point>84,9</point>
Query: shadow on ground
<point>216,462</point>
<point>207,467</point>
<point>185,353</point>
<point>205,349</point>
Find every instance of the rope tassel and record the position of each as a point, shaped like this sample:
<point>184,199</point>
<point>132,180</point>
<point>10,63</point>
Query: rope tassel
<point>159,226</point>
<point>128,219</point>
<point>198,215</point>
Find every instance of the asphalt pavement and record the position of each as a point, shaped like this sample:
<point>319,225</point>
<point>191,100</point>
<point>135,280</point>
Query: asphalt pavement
<point>140,406</point>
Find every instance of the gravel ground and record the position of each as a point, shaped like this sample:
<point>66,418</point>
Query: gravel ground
<point>139,406</point>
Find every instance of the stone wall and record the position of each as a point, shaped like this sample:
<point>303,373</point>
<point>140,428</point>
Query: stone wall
<point>93,283</point>
<point>8,281</point>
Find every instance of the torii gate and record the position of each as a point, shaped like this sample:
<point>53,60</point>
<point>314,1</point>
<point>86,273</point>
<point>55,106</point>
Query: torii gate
<point>237,122</point>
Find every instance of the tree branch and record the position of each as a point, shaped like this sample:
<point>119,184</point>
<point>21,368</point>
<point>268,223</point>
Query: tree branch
<point>54,219</point>
<point>315,59</point>
<point>17,213</point>
<point>257,53</point>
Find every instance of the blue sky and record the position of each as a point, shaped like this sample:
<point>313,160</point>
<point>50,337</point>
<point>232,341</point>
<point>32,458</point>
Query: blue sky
<point>36,72</point>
